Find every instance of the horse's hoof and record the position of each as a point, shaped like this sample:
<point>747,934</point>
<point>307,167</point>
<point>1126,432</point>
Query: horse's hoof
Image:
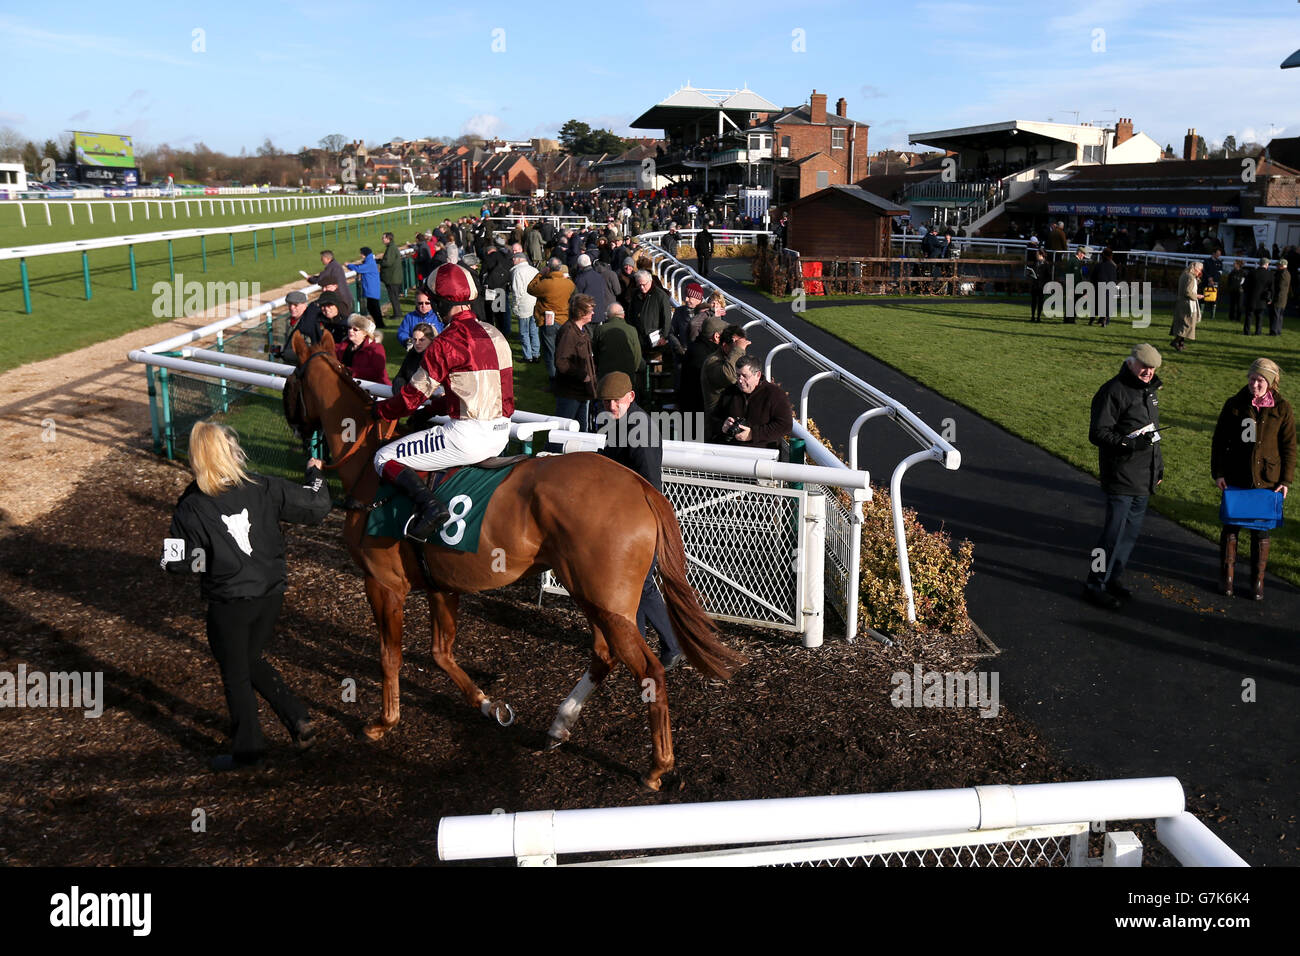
<point>653,785</point>
<point>377,729</point>
<point>499,711</point>
<point>554,743</point>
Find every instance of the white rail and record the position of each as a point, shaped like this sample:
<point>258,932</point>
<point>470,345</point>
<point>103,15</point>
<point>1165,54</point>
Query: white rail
<point>541,836</point>
<point>113,242</point>
<point>934,447</point>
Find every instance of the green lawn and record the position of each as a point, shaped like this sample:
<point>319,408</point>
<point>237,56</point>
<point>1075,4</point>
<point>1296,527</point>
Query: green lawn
<point>62,319</point>
<point>1037,381</point>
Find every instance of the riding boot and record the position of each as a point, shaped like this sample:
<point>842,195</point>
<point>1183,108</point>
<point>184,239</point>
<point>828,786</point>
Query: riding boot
<point>1258,563</point>
<point>431,514</point>
<point>1227,560</point>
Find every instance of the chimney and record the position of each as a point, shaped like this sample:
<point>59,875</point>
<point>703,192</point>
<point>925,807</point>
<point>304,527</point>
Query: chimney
<point>1189,145</point>
<point>1123,130</point>
<point>817,106</point>
<point>841,107</point>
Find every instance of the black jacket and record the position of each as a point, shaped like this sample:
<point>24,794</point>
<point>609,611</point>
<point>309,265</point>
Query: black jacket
<point>703,244</point>
<point>766,409</point>
<point>1129,466</point>
<point>238,532</point>
<point>633,442</point>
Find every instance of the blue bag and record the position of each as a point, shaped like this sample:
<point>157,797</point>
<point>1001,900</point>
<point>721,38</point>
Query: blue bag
<point>1259,509</point>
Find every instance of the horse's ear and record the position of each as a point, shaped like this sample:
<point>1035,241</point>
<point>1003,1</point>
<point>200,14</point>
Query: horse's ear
<point>299,346</point>
<point>327,342</point>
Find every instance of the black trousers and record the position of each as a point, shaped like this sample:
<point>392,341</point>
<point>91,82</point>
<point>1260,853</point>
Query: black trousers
<point>1258,314</point>
<point>1036,302</point>
<point>654,612</point>
<point>395,299</point>
<point>238,631</point>
<point>704,265</point>
<point>376,312</point>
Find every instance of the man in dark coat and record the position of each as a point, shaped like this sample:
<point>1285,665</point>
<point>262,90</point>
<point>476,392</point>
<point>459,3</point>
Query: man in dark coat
<point>632,440</point>
<point>1259,295</point>
<point>704,249</point>
<point>649,310</point>
<point>760,408</point>
<point>1281,290</point>
<point>390,273</point>
<point>616,346</point>
<point>1124,426</point>
<point>1103,276</point>
<point>332,273</point>
<point>587,281</point>
<point>1234,289</point>
<point>670,240</point>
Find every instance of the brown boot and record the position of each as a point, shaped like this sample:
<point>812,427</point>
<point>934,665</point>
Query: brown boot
<point>1258,563</point>
<point>1227,560</point>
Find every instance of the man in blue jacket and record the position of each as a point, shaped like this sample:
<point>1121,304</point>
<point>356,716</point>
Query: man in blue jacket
<point>368,270</point>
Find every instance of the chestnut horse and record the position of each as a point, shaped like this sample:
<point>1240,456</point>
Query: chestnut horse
<point>596,524</point>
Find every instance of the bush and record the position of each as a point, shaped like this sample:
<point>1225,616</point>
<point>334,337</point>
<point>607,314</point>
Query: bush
<point>940,573</point>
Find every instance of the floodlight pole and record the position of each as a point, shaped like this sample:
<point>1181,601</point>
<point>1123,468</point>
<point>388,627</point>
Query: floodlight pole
<point>408,169</point>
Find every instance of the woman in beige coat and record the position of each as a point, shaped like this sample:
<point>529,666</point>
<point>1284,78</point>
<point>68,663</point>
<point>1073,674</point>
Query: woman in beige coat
<point>1187,307</point>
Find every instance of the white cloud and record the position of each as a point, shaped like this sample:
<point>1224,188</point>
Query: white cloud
<point>482,124</point>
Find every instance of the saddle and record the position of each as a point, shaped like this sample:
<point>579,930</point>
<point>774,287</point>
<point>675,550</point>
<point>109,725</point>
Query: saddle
<point>433,479</point>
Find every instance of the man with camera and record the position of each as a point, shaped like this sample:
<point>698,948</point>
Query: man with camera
<point>752,411</point>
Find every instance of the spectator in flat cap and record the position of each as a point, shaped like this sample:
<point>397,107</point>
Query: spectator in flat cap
<point>1125,428</point>
<point>632,440</point>
<point>304,317</point>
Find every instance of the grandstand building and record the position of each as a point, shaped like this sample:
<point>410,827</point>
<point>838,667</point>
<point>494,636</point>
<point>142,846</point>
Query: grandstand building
<point>735,142</point>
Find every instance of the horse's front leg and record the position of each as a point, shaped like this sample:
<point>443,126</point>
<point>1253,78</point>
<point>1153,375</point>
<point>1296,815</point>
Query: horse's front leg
<point>388,607</point>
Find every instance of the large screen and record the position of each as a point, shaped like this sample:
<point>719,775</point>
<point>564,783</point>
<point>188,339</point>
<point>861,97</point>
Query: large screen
<point>103,149</point>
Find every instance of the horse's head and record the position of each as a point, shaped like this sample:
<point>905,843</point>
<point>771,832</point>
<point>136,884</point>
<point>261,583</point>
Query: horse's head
<point>311,387</point>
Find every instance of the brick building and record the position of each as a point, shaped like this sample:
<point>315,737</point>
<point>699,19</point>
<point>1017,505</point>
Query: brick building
<point>721,142</point>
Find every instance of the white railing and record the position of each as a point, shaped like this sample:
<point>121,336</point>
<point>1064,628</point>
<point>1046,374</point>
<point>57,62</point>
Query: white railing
<point>113,242</point>
<point>933,446</point>
<point>160,200</point>
<point>851,828</point>
<point>999,246</point>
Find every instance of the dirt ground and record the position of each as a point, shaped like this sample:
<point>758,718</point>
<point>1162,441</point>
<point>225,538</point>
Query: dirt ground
<point>80,590</point>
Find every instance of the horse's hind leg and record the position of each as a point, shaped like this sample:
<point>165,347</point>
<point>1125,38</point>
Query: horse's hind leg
<point>443,606</point>
<point>597,671</point>
<point>630,647</point>
<point>388,607</point>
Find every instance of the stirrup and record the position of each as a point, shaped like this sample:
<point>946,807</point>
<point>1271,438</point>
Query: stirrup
<point>426,522</point>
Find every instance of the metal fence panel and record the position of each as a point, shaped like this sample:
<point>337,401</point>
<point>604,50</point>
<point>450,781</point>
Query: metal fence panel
<point>742,548</point>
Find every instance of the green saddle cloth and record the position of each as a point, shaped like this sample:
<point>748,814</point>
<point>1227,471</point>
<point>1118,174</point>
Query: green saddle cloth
<point>466,494</point>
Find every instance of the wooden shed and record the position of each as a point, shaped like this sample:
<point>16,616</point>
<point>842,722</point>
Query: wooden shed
<point>841,222</point>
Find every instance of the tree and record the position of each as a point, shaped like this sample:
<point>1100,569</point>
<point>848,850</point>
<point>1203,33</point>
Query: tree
<point>51,151</point>
<point>1229,146</point>
<point>1201,151</point>
<point>31,157</point>
<point>576,138</point>
<point>11,144</point>
<point>267,150</point>
<point>573,134</point>
<point>334,142</point>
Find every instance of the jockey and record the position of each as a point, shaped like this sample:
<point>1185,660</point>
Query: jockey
<point>472,362</point>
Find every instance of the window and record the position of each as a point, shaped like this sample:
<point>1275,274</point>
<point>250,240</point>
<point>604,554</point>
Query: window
<point>823,178</point>
<point>767,142</point>
<point>755,142</point>
<point>1092,154</point>
<point>837,137</point>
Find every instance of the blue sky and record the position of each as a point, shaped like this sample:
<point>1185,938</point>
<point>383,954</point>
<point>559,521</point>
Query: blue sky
<point>297,71</point>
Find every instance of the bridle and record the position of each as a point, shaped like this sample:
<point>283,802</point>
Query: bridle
<point>300,411</point>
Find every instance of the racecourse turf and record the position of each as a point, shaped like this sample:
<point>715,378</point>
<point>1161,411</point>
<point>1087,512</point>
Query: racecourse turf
<point>1037,382</point>
<point>63,319</point>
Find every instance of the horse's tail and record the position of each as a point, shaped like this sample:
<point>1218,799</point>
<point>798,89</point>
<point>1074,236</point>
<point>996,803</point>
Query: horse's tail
<point>694,629</point>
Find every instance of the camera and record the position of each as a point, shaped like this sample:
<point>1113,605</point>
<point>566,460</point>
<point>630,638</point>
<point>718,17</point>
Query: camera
<point>735,426</point>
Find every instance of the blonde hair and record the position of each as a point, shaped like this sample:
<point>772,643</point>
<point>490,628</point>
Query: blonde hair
<point>216,458</point>
<point>359,321</point>
<point>717,299</point>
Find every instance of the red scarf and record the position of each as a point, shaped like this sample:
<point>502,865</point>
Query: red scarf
<point>1265,401</point>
